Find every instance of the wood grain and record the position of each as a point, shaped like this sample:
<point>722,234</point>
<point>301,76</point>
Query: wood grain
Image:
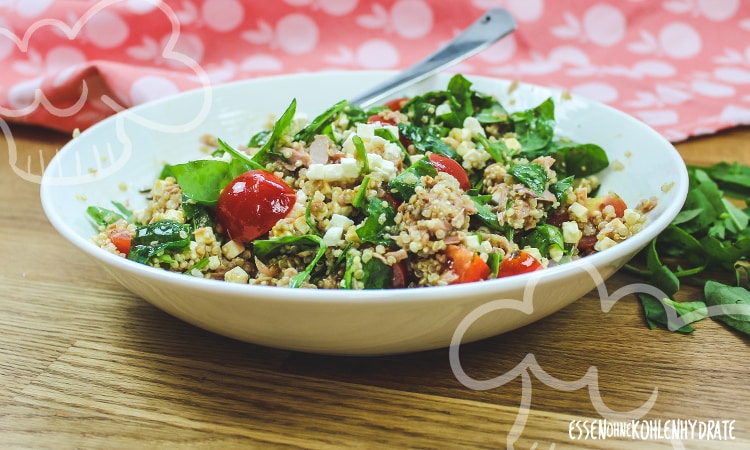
<point>86,364</point>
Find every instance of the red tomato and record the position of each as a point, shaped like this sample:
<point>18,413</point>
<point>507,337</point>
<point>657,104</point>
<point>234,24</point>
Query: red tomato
<point>610,199</point>
<point>397,103</point>
<point>122,240</point>
<point>252,203</point>
<point>377,118</point>
<point>451,167</point>
<point>466,264</point>
<point>558,217</point>
<point>517,263</point>
<point>393,201</point>
<point>399,274</point>
<point>586,244</point>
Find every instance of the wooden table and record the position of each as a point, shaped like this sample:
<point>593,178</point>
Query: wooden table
<point>86,364</point>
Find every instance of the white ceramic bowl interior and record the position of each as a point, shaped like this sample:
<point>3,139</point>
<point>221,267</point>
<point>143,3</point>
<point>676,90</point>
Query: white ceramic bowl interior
<point>120,155</point>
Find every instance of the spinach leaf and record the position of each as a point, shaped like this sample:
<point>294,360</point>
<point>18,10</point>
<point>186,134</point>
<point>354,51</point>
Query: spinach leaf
<point>386,134</point>
<point>380,220</point>
<point>733,302</point>
<point>279,128</point>
<point>674,242</point>
<point>672,315</point>
<point>318,124</point>
<point>544,237</point>
<point>349,271</point>
<point>428,139</point>
<point>578,160</point>
<point>485,214</point>
<point>489,110</point>
<point>361,153</point>
<point>560,189</point>
<point>497,149</point>
<point>733,179</point>
<point>535,127</point>
<point>157,238</point>
<point>360,198</point>
<point>309,219</point>
<point>259,139</point>
<point>103,216</point>
<point>292,244</point>
<point>197,214</point>
<point>533,175</point>
<point>377,274</point>
<point>709,233</point>
<point>459,100</point>
<point>405,183</point>
<point>494,260</point>
<point>203,180</point>
<point>240,157</point>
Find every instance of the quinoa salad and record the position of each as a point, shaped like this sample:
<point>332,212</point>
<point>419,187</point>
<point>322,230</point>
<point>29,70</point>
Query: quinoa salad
<point>441,188</point>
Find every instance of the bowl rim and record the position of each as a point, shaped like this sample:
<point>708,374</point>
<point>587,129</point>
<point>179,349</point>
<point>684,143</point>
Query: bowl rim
<point>616,253</point>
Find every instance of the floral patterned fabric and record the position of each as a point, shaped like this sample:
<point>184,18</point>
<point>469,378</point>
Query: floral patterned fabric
<point>681,66</point>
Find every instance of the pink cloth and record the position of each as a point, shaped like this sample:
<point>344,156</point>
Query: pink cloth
<point>681,66</point>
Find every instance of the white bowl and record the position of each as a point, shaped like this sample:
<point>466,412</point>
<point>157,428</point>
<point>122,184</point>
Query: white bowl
<point>115,158</point>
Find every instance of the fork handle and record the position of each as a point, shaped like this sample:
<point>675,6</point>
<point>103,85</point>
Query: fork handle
<point>494,24</point>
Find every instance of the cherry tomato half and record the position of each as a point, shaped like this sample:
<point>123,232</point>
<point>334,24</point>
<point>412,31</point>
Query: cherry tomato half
<point>517,263</point>
<point>397,103</point>
<point>451,167</point>
<point>399,274</point>
<point>251,204</point>
<point>610,199</point>
<point>466,264</point>
<point>121,240</point>
<point>377,118</point>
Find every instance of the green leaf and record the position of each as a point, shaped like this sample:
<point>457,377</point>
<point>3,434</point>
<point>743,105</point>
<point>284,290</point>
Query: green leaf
<point>497,149</point>
<point>270,248</point>
<point>405,183</point>
<point>725,253</point>
<point>703,195</point>
<point>197,214</point>
<point>428,139</point>
<point>386,134</point>
<point>732,304</point>
<point>157,238</point>
<point>733,178</point>
<point>579,160</point>
<point>560,189</point>
<point>544,237</point>
<point>241,157</point>
<point>459,99</point>
<point>735,219</point>
<point>533,175</point>
<point>259,139</point>
<point>360,198</point>
<point>535,128</point>
<point>489,110</point>
<point>318,124</point>
<point>377,274</point>
<point>376,228</point>
<point>103,216</point>
<point>485,214</point>
<point>674,242</point>
<point>309,219</point>
<point>494,260</point>
<point>686,215</point>
<point>689,312</point>
<point>656,314</point>
<point>279,128</point>
<point>203,180</point>
<point>361,153</point>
